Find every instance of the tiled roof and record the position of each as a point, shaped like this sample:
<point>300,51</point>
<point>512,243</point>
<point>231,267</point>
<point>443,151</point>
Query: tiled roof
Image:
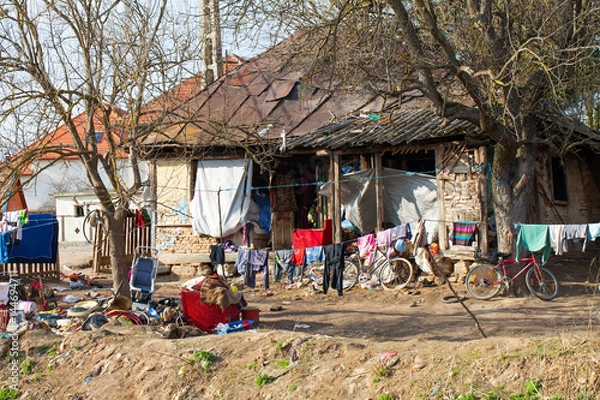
<point>61,137</point>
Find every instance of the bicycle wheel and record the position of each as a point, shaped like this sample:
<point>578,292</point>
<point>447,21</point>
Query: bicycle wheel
<point>542,283</point>
<point>483,282</point>
<point>395,273</point>
<point>95,227</point>
<point>316,279</point>
<point>350,276</point>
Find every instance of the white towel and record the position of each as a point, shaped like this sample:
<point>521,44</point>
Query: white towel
<point>557,239</point>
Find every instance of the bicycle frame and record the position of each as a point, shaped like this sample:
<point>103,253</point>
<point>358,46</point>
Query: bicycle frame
<point>530,261</point>
<point>372,268</point>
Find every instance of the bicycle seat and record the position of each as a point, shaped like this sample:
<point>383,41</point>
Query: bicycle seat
<point>503,255</point>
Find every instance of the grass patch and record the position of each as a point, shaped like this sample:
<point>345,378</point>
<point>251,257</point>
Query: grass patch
<point>6,394</point>
<point>27,366</point>
<point>263,379</point>
<point>382,371</point>
<point>283,364</point>
<point>203,358</point>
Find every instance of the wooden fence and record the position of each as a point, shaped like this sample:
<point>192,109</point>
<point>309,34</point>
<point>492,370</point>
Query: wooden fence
<point>134,236</point>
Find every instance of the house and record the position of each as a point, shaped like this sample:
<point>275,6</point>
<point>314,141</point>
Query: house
<point>57,183</point>
<point>14,198</point>
<point>248,164</point>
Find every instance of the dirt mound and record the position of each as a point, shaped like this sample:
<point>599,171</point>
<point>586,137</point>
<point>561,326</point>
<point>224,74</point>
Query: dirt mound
<point>135,363</point>
<point>366,344</point>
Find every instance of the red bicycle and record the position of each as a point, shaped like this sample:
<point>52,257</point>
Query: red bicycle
<point>485,281</point>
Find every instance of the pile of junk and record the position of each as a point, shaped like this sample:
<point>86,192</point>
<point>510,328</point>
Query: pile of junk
<point>207,305</point>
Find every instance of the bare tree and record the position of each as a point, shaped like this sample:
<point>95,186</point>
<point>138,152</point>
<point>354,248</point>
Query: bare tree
<point>105,59</point>
<point>497,64</point>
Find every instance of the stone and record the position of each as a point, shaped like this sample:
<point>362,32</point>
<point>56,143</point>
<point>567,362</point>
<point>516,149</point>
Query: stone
<point>181,270</point>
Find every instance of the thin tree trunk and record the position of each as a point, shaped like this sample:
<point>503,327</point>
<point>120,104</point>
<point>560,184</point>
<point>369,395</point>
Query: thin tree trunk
<point>118,259</point>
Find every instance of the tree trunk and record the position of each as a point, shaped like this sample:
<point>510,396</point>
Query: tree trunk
<point>118,259</point>
<point>513,175</point>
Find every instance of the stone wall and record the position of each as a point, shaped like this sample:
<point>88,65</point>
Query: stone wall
<point>460,184</point>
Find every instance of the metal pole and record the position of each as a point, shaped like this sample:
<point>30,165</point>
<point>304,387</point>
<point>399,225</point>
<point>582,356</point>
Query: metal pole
<point>220,217</point>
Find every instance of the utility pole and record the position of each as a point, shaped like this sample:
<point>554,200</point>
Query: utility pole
<point>211,41</point>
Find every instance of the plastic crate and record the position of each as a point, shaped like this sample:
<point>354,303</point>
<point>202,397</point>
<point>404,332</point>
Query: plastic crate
<point>205,316</point>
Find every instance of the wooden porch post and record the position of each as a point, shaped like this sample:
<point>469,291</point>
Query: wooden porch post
<point>440,183</point>
<point>379,192</point>
<point>337,201</point>
<point>483,186</point>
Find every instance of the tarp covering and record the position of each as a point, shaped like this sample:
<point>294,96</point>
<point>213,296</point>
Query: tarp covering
<point>407,197</point>
<point>39,243</point>
<point>233,177</point>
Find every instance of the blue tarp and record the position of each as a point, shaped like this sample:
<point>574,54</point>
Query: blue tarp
<point>39,243</point>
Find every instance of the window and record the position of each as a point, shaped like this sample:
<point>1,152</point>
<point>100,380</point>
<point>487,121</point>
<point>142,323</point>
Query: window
<point>79,211</point>
<point>559,180</point>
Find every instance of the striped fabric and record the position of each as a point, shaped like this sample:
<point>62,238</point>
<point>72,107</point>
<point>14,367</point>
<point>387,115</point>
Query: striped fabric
<point>463,233</point>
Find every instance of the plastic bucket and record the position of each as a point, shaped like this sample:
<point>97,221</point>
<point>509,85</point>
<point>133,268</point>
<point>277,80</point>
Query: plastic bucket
<point>251,313</point>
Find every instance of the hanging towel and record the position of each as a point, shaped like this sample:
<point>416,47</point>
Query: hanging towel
<point>577,232</point>
<point>463,233</point>
<point>366,248</point>
<point>401,232</point>
<point>384,238</point>
<point>534,238</point>
<point>314,254</point>
<point>557,238</point>
<point>594,230</point>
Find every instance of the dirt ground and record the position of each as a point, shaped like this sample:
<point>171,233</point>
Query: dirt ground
<point>366,344</point>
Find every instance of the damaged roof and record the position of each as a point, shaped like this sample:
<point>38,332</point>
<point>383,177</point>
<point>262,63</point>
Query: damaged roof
<point>261,99</point>
<point>394,128</point>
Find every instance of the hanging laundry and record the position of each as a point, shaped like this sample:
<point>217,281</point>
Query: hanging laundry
<point>313,254</point>
<point>557,238</point>
<point>242,261</point>
<point>577,232</point>
<point>5,240</point>
<point>463,233</point>
<point>366,248</point>
<point>139,220</point>
<point>16,218</point>
<point>384,238</point>
<point>283,262</point>
<point>534,238</point>
<point>401,232</point>
<point>594,230</point>
<point>257,261</point>
<point>217,256</point>
<point>334,267</point>
<point>420,235</point>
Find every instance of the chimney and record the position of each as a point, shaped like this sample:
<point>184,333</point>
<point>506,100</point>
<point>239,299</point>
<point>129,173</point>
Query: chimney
<point>211,41</point>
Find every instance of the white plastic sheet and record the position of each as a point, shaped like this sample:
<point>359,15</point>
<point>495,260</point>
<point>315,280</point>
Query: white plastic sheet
<point>407,198</point>
<point>233,178</point>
